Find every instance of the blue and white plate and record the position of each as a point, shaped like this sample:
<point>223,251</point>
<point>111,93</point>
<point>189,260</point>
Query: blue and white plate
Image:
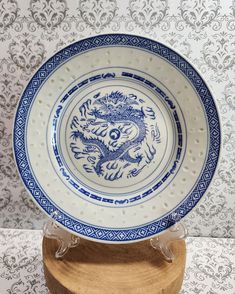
<point>119,134</point>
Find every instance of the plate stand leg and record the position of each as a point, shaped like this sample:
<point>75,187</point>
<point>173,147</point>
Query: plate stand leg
<point>65,239</point>
<point>163,241</point>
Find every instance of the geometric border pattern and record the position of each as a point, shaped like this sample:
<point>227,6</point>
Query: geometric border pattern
<point>93,232</point>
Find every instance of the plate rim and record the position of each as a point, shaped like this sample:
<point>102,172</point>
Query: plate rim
<point>61,218</point>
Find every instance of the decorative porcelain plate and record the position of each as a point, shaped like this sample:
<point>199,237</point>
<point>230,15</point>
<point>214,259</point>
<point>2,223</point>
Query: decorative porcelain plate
<point>119,134</point>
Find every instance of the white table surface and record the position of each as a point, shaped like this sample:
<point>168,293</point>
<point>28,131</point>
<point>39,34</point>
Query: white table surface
<point>210,266</point>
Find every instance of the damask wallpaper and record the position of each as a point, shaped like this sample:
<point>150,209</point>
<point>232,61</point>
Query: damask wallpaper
<point>202,31</point>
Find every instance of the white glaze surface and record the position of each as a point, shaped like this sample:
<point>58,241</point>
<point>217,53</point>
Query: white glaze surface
<point>46,169</point>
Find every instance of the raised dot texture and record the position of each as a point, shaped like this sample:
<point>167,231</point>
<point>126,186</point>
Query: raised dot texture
<point>193,159</point>
<point>165,205</point>
<point>185,168</point>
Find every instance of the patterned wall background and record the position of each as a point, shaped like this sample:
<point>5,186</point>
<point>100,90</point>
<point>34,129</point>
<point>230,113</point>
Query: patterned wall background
<point>203,31</point>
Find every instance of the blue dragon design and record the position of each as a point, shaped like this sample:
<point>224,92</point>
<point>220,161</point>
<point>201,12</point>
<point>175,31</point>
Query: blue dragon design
<point>111,111</point>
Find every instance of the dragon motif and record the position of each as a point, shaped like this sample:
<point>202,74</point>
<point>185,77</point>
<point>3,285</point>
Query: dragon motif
<point>113,127</point>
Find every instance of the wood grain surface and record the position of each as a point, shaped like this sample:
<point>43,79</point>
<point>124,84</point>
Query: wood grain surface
<point>94,268</point>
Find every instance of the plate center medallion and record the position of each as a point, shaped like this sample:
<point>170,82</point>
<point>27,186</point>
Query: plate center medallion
<point>116,137</point>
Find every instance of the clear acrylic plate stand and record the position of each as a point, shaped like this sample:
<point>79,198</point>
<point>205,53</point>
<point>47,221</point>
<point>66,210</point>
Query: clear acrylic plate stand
<point>162,242</point>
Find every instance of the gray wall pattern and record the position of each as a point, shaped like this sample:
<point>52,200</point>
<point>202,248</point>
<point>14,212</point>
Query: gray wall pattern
<point>202,31</point>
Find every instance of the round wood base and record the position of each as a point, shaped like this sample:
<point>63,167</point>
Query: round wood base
<point>94,268</point>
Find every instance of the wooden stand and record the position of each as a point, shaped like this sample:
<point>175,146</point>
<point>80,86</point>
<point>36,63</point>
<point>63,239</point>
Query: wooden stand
<point>94,268</point>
